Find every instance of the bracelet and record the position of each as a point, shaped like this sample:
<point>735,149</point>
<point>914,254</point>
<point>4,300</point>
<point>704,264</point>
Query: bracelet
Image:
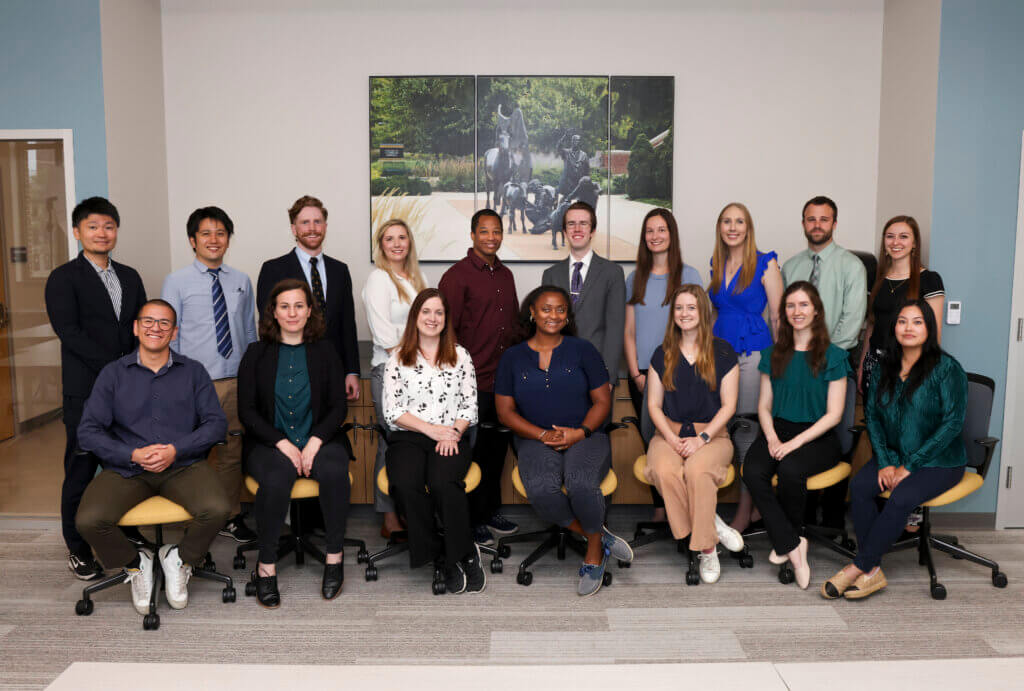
<point>540,437</point>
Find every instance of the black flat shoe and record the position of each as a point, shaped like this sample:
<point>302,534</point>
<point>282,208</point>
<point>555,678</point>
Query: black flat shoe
<point>334,577</point>
<point>267,593</point>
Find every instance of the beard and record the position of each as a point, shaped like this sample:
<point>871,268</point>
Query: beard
<point>825,239</point>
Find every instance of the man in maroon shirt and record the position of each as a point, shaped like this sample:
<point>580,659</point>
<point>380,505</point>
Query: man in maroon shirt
<point>481,293</point>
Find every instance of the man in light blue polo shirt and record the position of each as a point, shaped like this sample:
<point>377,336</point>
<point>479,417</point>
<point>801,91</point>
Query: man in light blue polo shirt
<point>216,322</point>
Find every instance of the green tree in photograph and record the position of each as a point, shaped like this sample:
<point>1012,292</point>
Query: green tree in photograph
<point>428,115</point>
<point>640,180</point>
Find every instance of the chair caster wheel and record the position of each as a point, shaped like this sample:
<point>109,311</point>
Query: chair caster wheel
<point>625,564</point>
<point>505,552</point>
<point>439,588</point>
<point>786,575</point>
<point>497,566</point>
<point>151,622</point>
<point>371,573</point>
<point>998,580</point>
<point>239,562</point>
<point>524,577</point>
<point>362,557</point>
<point>83,608</point>
<point>938,591</point>
<point>746,562</point>
<point>692,578</point>
<point>228,594</point>
<point>606,580</point>
<point>250,589</point>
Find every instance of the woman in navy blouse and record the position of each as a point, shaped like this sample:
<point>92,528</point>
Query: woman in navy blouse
<point>552,392</point>
<point>291,401</point>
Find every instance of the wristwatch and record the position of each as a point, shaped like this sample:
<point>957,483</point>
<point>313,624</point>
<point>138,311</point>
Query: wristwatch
<point>586,431</point>
<point>704,437</point>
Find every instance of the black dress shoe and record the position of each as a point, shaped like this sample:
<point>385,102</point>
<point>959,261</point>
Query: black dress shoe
<point>266,591</point>
<point>334,577</point>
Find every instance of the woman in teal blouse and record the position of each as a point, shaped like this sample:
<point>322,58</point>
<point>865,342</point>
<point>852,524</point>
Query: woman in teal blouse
<point>915,418</point>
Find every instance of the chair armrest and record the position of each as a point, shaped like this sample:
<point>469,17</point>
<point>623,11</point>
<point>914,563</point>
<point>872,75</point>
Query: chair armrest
<point>612,426</point>
<point>632,420</point>
<point>987,442</point>
<point>495,426</point>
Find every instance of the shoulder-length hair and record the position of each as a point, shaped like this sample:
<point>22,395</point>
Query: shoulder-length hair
<point>410,343</point>
<point>782,353</point>
<point>412,262</point>
<point>645,259</point>
<point>885,263</point>
<point>892,358</point>
<point>270,330</point>
<point>721,253</point>
<point>527,327</point>
<point>705,363</point>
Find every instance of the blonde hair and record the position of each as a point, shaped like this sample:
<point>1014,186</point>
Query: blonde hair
<point>705,363</point>
<point>412,262</point>
<point>721,253</point>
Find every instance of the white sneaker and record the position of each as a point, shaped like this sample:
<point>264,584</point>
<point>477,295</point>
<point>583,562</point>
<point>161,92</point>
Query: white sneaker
<point>728,536</point>
<point>141,580</point>
<point>176,575</point>
<point>710,569</point>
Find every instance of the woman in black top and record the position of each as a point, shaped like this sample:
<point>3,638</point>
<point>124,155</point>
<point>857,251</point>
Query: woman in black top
<point>291,401</point>
<point>901,277</point>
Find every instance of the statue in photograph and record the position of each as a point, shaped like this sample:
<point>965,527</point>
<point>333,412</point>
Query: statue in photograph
<point>575,164</point>
<point>513,199</point>
<point>586,190</point>
<point>497,167</point>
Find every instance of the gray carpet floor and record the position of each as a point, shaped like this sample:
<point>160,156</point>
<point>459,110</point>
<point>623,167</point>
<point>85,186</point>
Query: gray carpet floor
<point>647,615</point>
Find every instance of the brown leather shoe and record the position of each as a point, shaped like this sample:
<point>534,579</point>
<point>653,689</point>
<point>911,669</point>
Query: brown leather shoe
<point>866,585</point>
<point>834,587</point>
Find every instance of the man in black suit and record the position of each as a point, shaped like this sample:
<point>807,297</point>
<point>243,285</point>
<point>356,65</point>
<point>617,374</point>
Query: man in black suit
<point>91,301</point>
<point>329,279</point>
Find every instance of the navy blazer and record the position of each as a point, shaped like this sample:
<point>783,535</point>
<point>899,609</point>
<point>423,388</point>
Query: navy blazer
<point>341,312</point>
<point>91,335</point>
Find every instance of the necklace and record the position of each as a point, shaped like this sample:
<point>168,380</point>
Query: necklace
<point>889,282</point>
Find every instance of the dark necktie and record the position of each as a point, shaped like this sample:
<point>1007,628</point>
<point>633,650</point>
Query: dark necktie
<point>318,287</point>
<point>816,271</point>
<point>576,284</point>
<point>220,315</point>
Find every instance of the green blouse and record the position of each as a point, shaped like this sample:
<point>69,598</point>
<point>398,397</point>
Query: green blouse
<point>798,395</point>
<point>924,431</point>
<point>293,410</point>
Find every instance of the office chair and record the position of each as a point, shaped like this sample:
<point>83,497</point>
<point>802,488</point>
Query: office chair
<point>980,449</point>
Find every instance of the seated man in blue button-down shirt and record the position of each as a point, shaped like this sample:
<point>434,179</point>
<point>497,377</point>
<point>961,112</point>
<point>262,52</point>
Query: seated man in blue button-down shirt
<point>151,419</point>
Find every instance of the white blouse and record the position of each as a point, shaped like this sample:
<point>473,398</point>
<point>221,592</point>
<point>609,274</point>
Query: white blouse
<point>437,396</point>
<point>386,312</point>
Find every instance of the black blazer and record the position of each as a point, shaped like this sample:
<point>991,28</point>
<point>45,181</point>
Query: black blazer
<point>257,374</point>
<point>91,335</point>
<point>341,312</point>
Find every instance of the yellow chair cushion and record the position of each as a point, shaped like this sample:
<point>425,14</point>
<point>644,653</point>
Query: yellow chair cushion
<point>970,482</point>
<point>155,511</point>
<point>472,478</point>
<point>608,485</point>
<point>640,469</point>
<point>840,471</point>
<point>304,487</point>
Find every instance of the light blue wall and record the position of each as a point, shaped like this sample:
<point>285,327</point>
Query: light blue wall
<point>51,77</point>
<point>977,171</point>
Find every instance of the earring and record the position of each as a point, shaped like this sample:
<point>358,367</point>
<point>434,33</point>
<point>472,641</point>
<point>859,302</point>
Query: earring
<point>531,317</point>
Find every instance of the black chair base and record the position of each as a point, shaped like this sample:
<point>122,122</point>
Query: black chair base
<point>398,543</point>
<point>649,532</point>
<point>151,620</point>
<point>558,539</point>
<point>924,540</point>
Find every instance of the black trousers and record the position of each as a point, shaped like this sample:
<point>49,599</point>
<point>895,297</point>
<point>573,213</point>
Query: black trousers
<point>783,509</point>
<point>637,397</point>
<point>277,475</point>
<point>425,485</point>
<point>489,453</point>
<point>79,470</point>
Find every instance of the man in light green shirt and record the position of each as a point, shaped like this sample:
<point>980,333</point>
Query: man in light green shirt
<point>837,273</point>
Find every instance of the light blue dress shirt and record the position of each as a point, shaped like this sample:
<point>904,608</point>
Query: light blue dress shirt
<point>307,267</point>
<point>190,294</point>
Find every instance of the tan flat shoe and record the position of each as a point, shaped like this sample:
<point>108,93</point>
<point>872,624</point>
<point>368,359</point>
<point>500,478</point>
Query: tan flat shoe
<point>776,559</point>
<point>865,585</point>
<point>834,587</point>
<point>803,573</point>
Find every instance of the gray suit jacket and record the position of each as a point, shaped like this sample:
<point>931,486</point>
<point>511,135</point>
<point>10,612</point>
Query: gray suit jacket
<point>601,310</point>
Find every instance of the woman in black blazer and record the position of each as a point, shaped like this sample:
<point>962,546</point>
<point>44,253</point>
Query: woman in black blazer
<point>291,401</point>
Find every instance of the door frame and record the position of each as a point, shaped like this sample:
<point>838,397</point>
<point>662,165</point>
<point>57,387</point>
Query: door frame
<point>1013,439</point>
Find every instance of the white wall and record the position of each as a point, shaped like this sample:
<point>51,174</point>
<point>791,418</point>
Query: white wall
<point>773,105</point>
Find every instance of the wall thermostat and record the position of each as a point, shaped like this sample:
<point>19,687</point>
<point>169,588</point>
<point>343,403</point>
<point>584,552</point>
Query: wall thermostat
<point>953,312</point>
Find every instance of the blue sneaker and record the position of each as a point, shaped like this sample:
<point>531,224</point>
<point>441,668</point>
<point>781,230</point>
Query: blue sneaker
<point>482,536</point>
<point>616,546</point>
<point>591,578</point>
<point>501,525</point>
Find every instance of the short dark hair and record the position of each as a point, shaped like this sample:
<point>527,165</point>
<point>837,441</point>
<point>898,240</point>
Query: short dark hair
<point>483,213</point>
<point>214,213</point>
<point>157,301</point>
<point>821,201</point>
<point>270,330</point>
<point>94,205</point>
<point>301,203</point>
<point>585,207</point>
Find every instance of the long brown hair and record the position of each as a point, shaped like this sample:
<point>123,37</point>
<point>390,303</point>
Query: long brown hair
<point>885,263</point>
<point>721,253</point>
<point>410,343</point>
<point>412,262</point>
<point>645,259</point>
<point>782,353</point>
<point>270,330</point>
<point>705,364</point>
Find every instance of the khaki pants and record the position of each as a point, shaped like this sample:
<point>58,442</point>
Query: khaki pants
<point>226,461</point>
<point>690,486</point>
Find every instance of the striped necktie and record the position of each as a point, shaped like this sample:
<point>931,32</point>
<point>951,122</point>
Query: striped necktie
<point>220,315</point>
<point>816,271</point>
<point>576,285</point>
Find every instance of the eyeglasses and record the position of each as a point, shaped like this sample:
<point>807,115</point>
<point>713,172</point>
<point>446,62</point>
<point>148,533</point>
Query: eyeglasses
<point>583,225</point>
<point>161,324</point>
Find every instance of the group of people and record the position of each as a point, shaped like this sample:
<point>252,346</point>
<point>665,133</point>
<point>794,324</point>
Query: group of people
<point>151,386</point>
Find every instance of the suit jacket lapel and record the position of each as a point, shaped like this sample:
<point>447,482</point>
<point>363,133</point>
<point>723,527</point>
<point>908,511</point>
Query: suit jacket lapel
<point>93,279</point>
<point>591,280</point>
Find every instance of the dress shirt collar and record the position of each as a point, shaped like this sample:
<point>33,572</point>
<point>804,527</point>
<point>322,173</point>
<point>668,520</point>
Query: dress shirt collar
<point>128,361</point>
<point>203,268</point>
<point>110,264</point>
<point>305,256</point>
<point>586,261</point>
<point>480,263</point>
<point>831,249</point>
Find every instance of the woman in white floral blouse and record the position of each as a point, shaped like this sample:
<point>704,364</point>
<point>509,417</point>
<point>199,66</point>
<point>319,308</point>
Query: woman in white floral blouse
<point>429,403</point>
